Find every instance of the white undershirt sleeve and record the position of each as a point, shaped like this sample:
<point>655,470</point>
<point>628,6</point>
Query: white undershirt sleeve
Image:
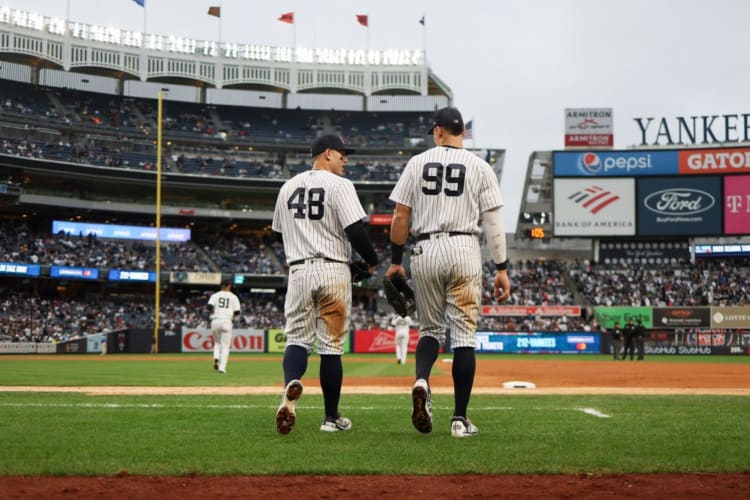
<point>494,230</point>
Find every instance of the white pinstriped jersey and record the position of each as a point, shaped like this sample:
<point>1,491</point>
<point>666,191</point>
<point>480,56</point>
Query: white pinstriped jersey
<point>312,210</point>
<point>401,324</point>
<point>225,304</point>
<point>447,189</point>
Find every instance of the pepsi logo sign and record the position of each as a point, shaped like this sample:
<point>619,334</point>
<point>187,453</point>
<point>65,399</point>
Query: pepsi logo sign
<point>591,163</point>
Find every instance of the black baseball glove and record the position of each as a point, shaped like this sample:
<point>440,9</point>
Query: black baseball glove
<point>399,295</point>
<point>360,271</point>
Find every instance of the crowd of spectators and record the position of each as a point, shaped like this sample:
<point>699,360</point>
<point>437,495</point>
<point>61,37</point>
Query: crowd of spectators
<point>250,254</point>
<point>29,317</point>
<point>536,282</point>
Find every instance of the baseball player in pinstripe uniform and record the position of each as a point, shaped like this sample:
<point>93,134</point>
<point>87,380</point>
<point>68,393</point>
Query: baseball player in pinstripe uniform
<point>445,192</point>
<point>223,307</point>
<point>401,324</point>
<point>320,218</point>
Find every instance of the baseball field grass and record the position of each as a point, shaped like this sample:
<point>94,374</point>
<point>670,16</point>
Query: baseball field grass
<point>75,433</point>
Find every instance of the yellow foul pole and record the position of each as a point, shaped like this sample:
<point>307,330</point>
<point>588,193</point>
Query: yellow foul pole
<point>157,288</point>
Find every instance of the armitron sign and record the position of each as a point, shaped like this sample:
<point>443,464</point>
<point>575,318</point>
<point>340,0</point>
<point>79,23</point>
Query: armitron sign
<point>586,127</point>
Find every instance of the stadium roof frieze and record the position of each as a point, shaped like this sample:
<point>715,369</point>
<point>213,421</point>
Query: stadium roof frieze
<point>75,46</point>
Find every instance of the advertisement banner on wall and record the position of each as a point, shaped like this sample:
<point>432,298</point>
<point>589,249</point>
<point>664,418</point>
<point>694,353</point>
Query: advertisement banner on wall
<point>588,207</point>
<point>539,342</point>
<point>679,206</point>
<point>681,317</point>
<point>714,161</point>
<point>243,340</point>
<point>614,163</point>
<point>276,340</point>
<point>382,341</point>
<point>606,316</point>
<point>737,204</point>
<point>712,337</point>
<point>530,310</point>
<point>730,317</point>
<point>192,278</point>
<point>589,127</point>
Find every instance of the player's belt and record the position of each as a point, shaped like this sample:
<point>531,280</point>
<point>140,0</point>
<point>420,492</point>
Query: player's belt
<point>314,259</point>
<point>428,236</point>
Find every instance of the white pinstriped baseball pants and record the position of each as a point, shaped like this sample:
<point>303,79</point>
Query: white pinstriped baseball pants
<point>318,305</point>
<point>447,278</point>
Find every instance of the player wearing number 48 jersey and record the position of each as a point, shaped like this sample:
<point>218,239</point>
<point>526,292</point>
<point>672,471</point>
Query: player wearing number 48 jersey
<point>445,192</point>
<point>319,218</point>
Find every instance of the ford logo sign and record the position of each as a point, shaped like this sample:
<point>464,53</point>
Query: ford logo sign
<point>679,201</point>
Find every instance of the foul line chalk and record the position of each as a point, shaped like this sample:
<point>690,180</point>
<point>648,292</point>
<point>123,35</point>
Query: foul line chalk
<point>594,412</point>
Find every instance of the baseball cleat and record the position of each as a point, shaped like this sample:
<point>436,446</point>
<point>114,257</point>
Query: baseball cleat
<point>339,423</point>
<point>216,364</point>
<point>285,415</point>
<point>421,414</point>
<point>462,427</point>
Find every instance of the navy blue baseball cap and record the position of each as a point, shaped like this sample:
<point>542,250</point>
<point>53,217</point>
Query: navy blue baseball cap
<point>330,141</point>
<point>447,117</point>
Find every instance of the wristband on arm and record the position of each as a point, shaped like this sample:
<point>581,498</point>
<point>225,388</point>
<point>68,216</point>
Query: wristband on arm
<point>502,266</point>
<point>397,253</point>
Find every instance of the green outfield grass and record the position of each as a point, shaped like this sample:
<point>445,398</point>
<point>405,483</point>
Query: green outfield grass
<point>70,433</point>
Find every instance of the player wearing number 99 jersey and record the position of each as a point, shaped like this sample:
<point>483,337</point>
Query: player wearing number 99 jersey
<point>319,218</point>
<point>445,192</point>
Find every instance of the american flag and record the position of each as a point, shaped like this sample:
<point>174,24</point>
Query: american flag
<point>469,130</point>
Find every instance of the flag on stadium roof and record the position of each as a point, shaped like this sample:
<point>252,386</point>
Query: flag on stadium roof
<point>362,19</point>
<point>214,11</point>
<point>421,21</point>
<point>287,17</point>
<point>142,3</point>
<point>469,130</point>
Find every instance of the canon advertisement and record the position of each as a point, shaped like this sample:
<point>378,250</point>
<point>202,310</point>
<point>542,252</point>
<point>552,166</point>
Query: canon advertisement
<point>614,163</point>
<point>243,340</point>
<point>594,207</point>
<point>679,206</point>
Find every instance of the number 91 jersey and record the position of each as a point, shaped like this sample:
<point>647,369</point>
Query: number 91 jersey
<point>311,212</point>
<point>447,189</point>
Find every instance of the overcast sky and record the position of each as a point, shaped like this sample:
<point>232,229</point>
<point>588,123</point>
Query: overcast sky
<point>513,65</point>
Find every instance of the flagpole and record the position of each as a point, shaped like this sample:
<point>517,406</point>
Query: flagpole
<point>424,37</point>
<point>220,13</point>
<point>368,32</point>
<point>144,22</point>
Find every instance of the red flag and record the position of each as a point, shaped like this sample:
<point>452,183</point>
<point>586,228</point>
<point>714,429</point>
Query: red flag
<point>287,17</point>
<point>214,11</point>
<point>362,19</point>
